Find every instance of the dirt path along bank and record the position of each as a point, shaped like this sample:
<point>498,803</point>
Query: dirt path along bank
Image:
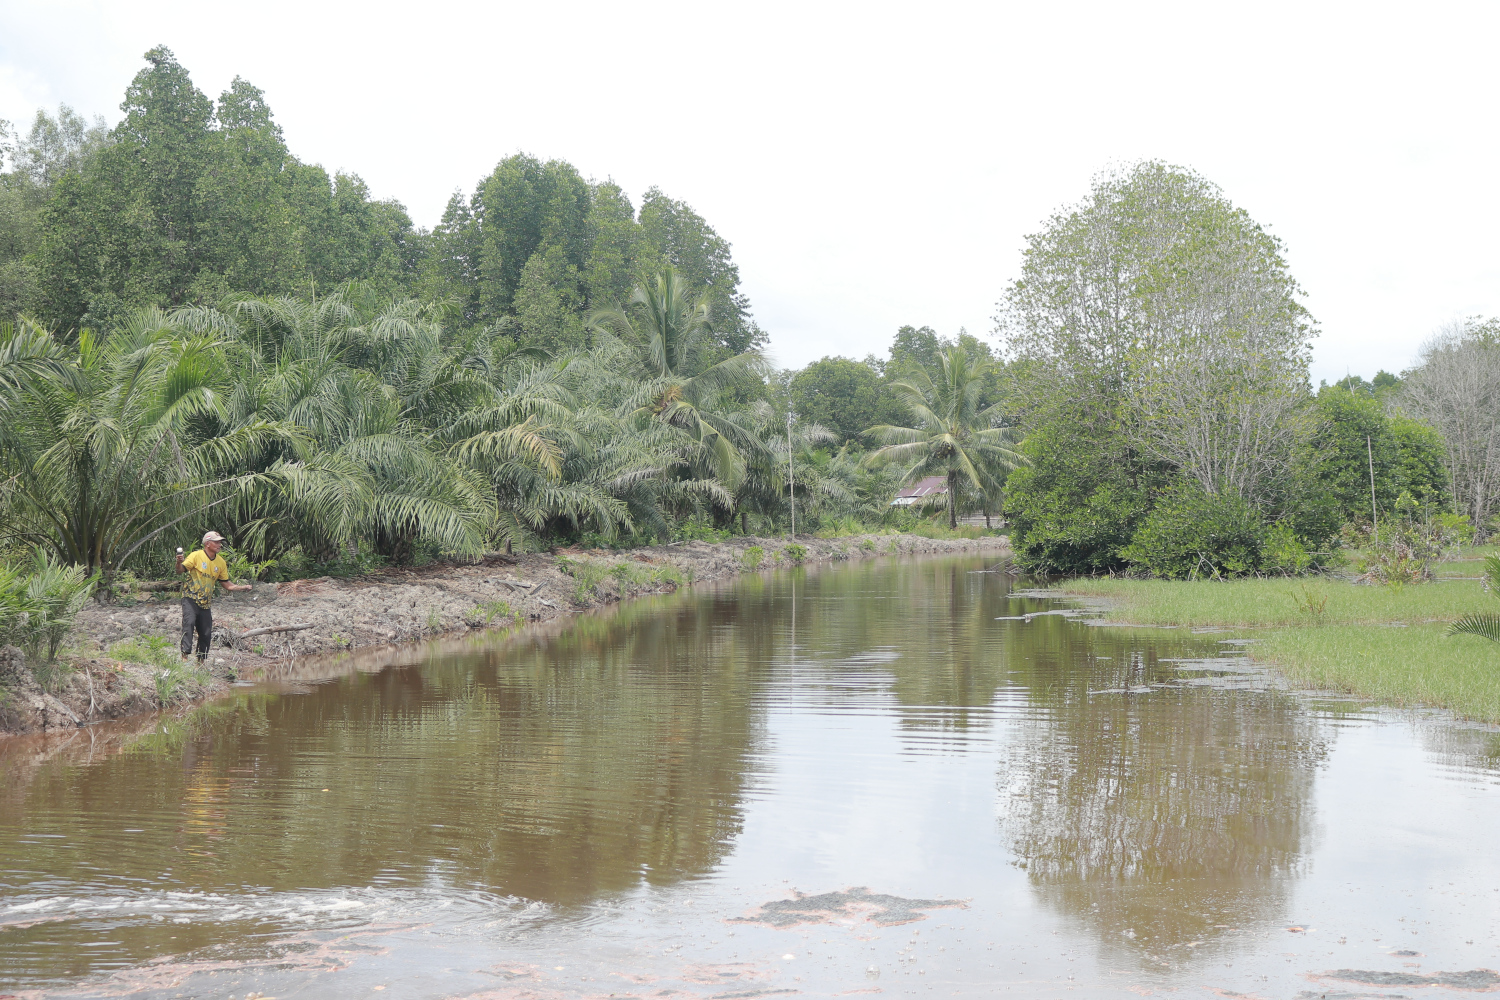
<point>124,655</point>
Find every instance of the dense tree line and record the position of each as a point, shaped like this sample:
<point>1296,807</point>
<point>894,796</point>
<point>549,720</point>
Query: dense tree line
<point>203,322</point>
<point>189,200</point>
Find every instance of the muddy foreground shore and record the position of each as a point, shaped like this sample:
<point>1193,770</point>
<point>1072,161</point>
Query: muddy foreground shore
<point>385,608</point>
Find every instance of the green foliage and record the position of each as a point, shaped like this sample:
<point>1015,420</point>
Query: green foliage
<point>1407,544</point>
<point>699,529</point>
<point>1075,506</point>
<point>190,199</point>
<point>752,557</point>
<point>242,568</point>
<point>794,554</point>
<point>1282,552</point>
<point>1135,374</point>
<point>39,602</point>
<point>149,650</point>
<point>843,395</point>
<point>175,678</point>
<point>953,433</point>
<point>171,675</point>
<point>587,573</point>
<point>1484,624</point>
<point>1354,432</point>
<point>489,611</point>
<point>1313,605</point>
<point>1191,533</point>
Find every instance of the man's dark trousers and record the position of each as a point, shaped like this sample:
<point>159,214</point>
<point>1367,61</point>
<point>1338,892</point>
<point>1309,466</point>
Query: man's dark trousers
<point>199,619</point>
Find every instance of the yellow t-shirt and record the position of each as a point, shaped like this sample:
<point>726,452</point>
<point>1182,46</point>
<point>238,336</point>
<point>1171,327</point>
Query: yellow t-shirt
<point>203,573</point>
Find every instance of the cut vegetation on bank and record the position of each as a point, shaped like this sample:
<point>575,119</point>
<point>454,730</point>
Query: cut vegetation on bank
<point>1388,645</point>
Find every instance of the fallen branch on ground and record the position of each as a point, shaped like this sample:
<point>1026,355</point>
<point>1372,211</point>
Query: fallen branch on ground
<point>235,640</point>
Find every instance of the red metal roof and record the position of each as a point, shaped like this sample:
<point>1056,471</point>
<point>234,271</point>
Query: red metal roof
<point>926,487</point>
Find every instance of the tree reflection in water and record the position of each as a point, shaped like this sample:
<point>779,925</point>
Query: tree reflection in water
<point>1163,817</point>
<point>555,769</point>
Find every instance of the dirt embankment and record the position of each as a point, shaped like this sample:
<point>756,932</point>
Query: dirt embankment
<point>384,608</point>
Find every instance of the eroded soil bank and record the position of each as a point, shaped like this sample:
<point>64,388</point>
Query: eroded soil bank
<point>385,608</point>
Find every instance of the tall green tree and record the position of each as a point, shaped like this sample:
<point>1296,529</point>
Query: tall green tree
<point>188,201</point>
<point>951,434</point>
<point>679,382</point>
<point>841,394</point>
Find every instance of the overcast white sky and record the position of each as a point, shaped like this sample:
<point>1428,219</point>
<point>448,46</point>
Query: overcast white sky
<point>872,164</point>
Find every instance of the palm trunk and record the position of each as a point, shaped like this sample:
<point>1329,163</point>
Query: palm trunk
<point>952,500</point>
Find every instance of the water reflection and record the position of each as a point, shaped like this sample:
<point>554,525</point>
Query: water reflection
<point>552,770</point>
<point>1157,816</point>
<point>628,752</point>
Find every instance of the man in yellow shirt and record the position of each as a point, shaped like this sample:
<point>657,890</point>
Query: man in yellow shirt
<point>205,568</point>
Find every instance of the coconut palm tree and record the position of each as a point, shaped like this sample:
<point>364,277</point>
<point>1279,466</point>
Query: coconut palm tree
<point>951,435</point>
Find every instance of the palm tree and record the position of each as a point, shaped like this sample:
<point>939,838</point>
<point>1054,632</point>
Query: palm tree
<point>952,436</point>
<point>402,431</point>
<point>674,382</point>
<point>113,440</point>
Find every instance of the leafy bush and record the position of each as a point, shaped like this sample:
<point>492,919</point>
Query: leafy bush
<point>296,565</point>
<point>38,605</point>
<point>1283,552</point>
<point>753,557</point>
<point>699,529</point>
<point>1405,546</point>
<point>241,568</point>
<point>795,554</point>
<point>1076,506</point>
<point>1192,534</point>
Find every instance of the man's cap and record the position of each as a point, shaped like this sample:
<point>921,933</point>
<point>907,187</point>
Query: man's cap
<point>212,536</point>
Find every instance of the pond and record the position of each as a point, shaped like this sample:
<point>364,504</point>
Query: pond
<point>908,777</point>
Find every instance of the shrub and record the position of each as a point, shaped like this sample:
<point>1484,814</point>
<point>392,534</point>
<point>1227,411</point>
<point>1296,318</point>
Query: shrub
<point>795,554</point>
<point>753,557</point>
<point>1404,548</point>
<point>588,575</point>
<point>1192,534</point>
<point>38,605</point>
<point>1283,552</point>
<point>699,529</point>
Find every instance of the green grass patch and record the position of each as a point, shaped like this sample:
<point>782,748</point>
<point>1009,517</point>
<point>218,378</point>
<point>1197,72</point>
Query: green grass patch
<point>1416,665</point>
<point>1388,645</point>
<point>1282,602</point>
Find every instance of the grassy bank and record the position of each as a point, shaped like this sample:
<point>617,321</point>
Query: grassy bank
<point>1386,645</point>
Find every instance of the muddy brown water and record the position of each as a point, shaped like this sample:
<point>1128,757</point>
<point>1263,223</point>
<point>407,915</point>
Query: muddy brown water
<point>893,776</point>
